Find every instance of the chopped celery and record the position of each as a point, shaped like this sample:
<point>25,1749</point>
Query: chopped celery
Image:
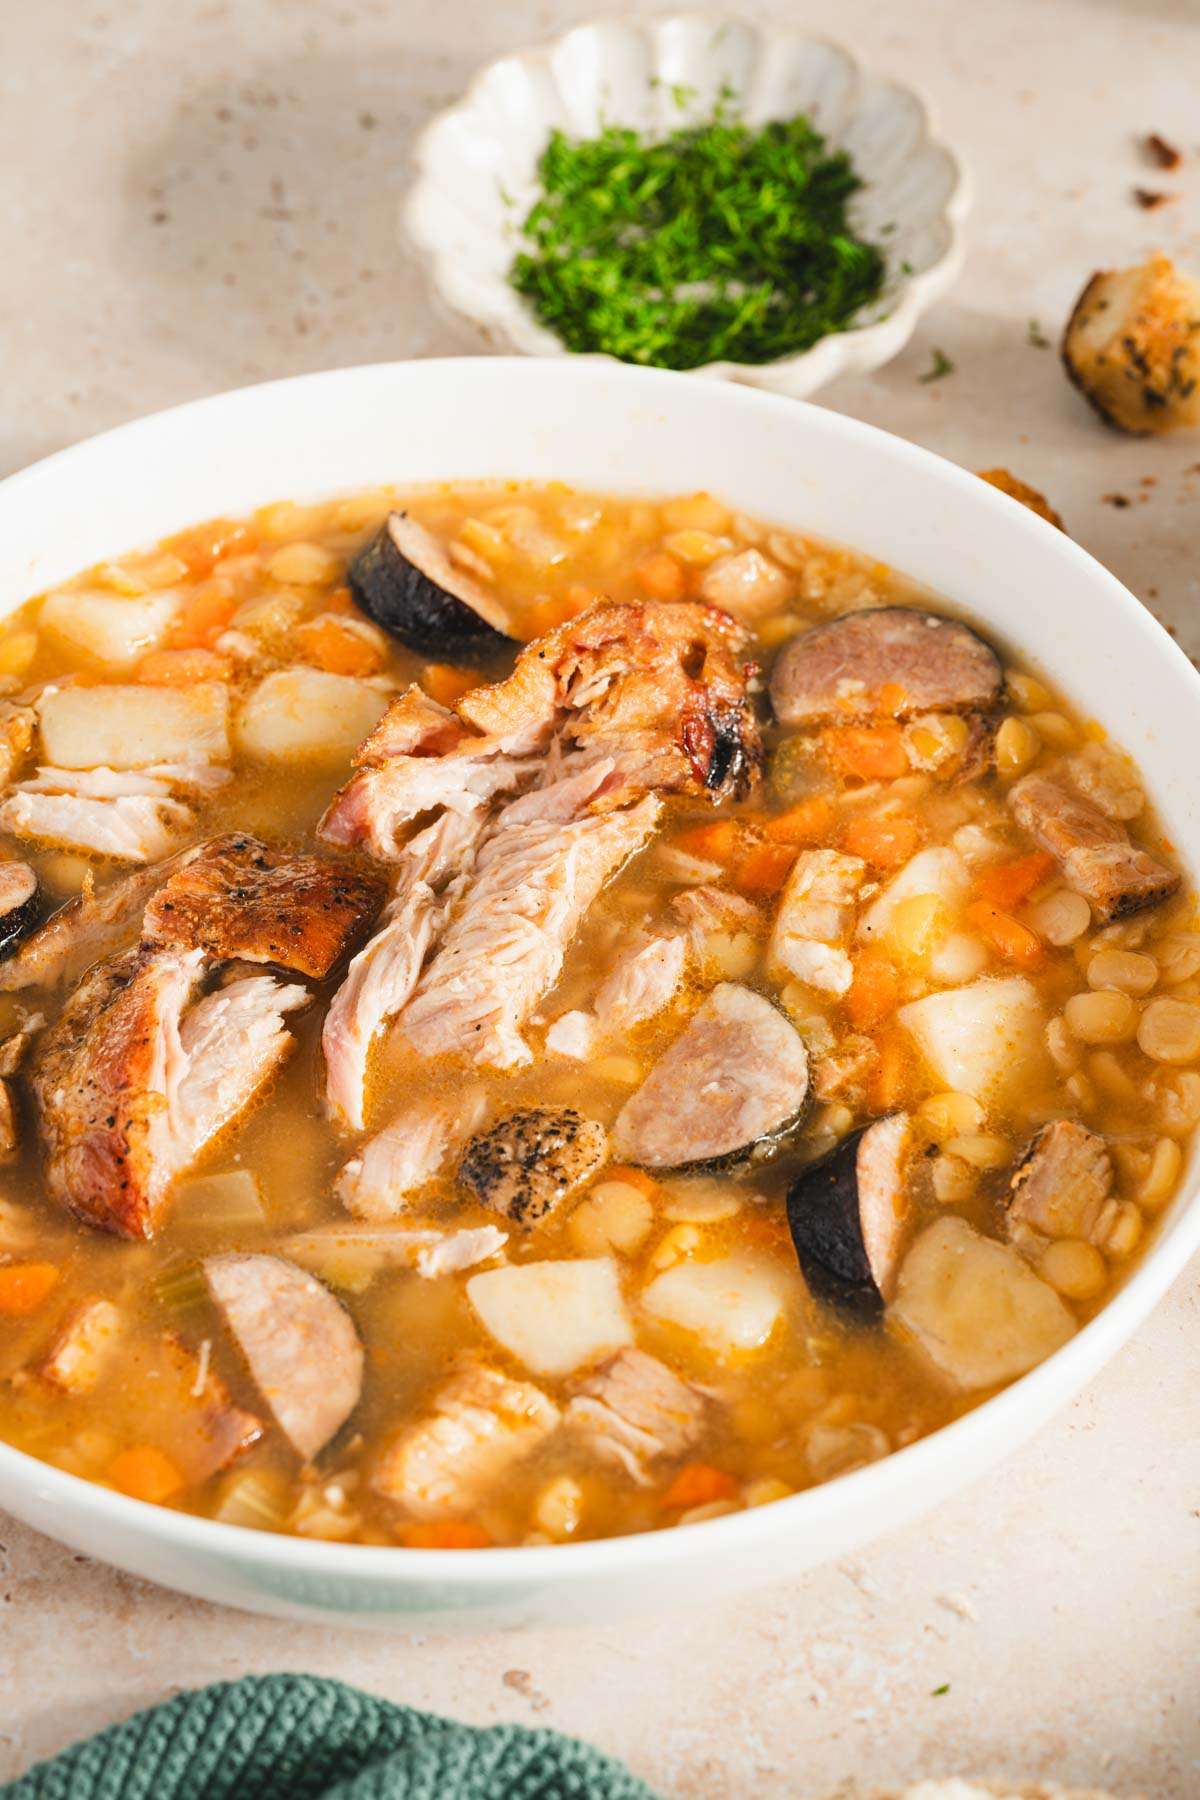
<point>254,1498</point>
<point>226,1202</point>
<point>180,1287</point>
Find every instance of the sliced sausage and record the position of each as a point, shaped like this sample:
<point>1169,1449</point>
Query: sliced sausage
<point>406,582</point>
<point>849,1216</point>
<point>633,1411</point>
<point>729,1087</point>
<point>528,1163</point>
<point>1062,1182</point>
<point>298,1341</point>
<point>893,661</point>
<point>19,904</point>
<point>1094,852</point>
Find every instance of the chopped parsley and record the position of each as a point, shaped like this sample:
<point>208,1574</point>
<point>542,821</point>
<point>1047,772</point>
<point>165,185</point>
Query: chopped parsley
<point>940,366</point>
<point>717,241</point>
<point>1036,337</point>
<point>944,1689</point>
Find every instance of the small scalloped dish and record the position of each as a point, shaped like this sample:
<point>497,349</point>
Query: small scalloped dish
<point>477,170</point>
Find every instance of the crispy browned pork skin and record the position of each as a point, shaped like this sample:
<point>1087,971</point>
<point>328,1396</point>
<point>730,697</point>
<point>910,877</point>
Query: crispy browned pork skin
<point>657,687</point>
<point>136,1075</point>
<point>240,899</point>
<point>550,778</point>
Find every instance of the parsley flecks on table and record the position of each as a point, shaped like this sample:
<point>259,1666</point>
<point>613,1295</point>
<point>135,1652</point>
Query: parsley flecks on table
<point>940,366</point>
<point>719,241</point>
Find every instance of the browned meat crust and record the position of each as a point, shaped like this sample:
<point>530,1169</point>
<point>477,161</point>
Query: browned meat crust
<point>1093,851</point>
<point>241,899</point>
<point>658,686</point>
<point>97,1084</point>
<point>1062,1182</point>
<point>85,929</point>
<point>892,661</point>
<point>528,1163</point>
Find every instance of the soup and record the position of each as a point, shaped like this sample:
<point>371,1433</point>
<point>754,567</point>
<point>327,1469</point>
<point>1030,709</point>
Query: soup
<point>531,1015</point>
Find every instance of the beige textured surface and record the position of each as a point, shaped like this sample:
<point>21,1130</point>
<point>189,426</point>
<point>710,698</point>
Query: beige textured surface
<point>198,195</point>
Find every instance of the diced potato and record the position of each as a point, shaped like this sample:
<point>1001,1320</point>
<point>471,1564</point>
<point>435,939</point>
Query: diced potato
<point>976,1307</point>
<point>115,629</point>
<point>732,1305</point>
<point>130,727</point>
<point>941,872</point>
<point>307,714</point>
<point>982,1039</point>
<point>553,1316</point>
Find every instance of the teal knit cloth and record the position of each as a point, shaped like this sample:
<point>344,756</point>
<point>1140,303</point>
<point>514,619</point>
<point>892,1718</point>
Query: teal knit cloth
<point>299,1737</point>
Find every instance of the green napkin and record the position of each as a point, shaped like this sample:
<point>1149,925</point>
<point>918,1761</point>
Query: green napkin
<point>268,1737</point>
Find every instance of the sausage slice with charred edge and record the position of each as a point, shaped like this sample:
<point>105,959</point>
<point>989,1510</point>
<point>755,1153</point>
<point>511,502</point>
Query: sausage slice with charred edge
<point>406,582</point>
<point>849,1216</point>
<point>731,1085</point>
<point>526,1164</point>
<point>890,661</point>
<point>19,904</point>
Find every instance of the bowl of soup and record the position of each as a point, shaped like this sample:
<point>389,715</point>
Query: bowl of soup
<point>598,978</point>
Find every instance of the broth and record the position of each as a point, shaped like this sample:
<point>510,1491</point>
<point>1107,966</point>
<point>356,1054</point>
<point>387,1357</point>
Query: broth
<point>792,1389</point>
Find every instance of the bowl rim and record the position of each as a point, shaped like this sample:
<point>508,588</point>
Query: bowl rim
<point>857,346</point>
<point>1039,1393</point>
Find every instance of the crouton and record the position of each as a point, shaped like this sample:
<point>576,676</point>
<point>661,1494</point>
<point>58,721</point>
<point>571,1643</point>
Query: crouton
<point>1016,489</point>
<point>1132,347</point>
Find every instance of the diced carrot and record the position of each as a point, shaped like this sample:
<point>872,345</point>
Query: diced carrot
<point>548,615</point>
<point>145,1473</point>
<point>765,868</point>
<point>23,1287</point>
<point>889,1078</point>
<point>205,545</point>
<point>874,993</point>
<point>722,841</point>
<point>442,681</point>
<point>892,696</point>
<point>697,1485</point>
<point>885,842</point>
<point>1007,936</point>
<point>446,1534</point>
<point>340,600</point>
<point>335,646</point>
<point>661,576</point>
<point>871,752</point>
<point>180,668</point>
<point>808,822</point>
<point>1007,884</point>
<point>202,616</point>
<point>637,1178</point>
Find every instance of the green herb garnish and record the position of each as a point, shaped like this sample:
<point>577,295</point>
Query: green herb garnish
<point>716,242</point>
<point>1036,337</point>
<point>940,366</point>
<point>944,1689</point>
